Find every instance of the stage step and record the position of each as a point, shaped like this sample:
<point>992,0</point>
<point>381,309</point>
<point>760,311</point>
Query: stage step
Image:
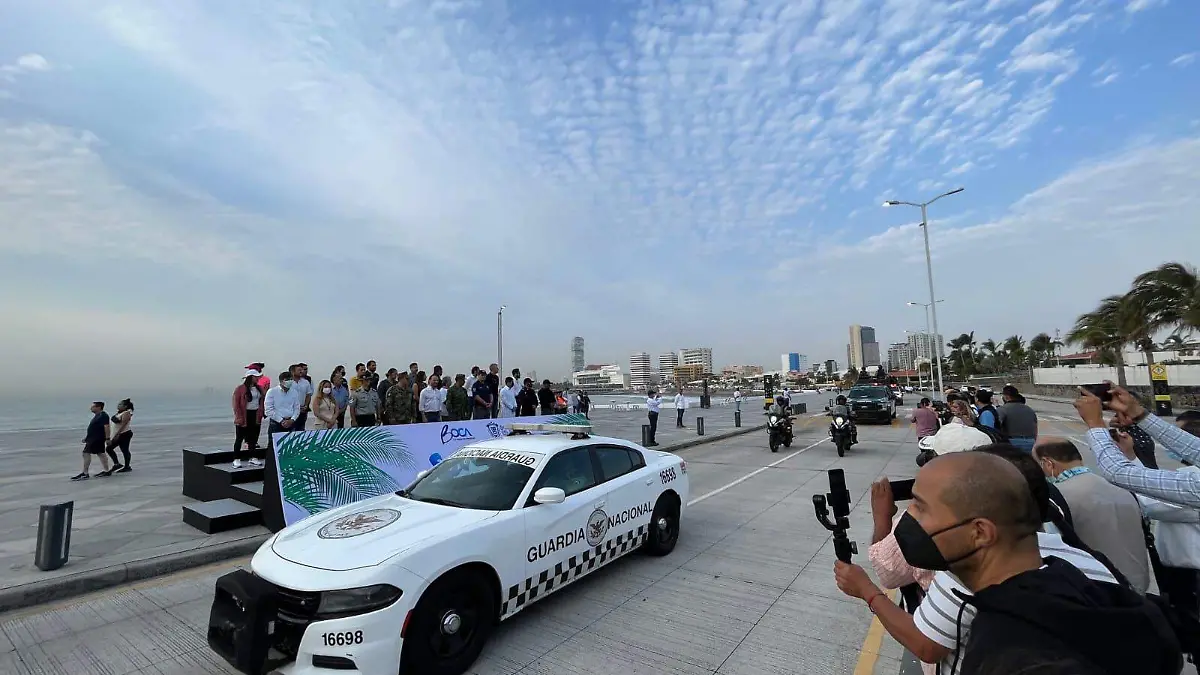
<point>249,493</point>
<point>221,515</point>
<point>196,482</point>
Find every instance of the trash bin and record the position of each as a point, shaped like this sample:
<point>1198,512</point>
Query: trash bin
<point>54,536</point>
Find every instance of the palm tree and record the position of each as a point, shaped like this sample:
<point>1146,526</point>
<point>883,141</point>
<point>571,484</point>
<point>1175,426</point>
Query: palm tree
<point>1107,329</point>
<point>1014,350</point>
<point>1041,345</point>
<point>1169,298</point>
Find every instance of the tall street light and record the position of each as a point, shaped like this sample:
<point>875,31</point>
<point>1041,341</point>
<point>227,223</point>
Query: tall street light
<point>929,266</point>
<point>500,339</point>
<point>929,341</point>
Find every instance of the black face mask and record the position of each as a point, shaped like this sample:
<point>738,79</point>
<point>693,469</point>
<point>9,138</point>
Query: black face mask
<point>919,548</point>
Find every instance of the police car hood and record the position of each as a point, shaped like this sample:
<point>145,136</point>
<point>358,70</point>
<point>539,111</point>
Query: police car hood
<point>369,532</point>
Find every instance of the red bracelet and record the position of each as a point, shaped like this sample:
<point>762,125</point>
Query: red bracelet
<point>872,600</point>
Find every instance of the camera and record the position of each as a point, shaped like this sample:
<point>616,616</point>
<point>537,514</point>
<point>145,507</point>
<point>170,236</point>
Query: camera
<point>837,499</point>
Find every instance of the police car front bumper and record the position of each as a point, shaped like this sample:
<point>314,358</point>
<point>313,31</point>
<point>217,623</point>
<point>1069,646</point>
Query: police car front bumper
<point>260,628</point>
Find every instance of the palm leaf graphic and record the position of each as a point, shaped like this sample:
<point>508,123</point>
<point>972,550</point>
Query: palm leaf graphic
<point>570,418</point>
<point>321,470</point>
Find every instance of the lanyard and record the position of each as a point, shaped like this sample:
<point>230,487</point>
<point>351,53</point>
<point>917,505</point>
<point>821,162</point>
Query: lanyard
<point>1069,474</point>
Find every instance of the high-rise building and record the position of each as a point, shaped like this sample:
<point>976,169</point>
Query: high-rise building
<point>793,362</point>
<point>641,376</point>
<point>667,363</point>
<point>688,373</point>
<point>863,351</point>
<point>923,345</point>
<point>830,367</point>
<point>697,356</point>
<point>900,357</point>
<point>577,361</point>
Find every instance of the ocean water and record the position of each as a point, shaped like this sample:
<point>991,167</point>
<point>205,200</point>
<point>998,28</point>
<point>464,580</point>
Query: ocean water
<point>71,412</point>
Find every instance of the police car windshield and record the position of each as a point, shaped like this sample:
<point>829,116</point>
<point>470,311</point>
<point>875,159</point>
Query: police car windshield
<point>486,483</point>
<point>868,392</point>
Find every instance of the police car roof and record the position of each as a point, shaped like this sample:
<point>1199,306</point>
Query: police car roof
<point>548,444</point>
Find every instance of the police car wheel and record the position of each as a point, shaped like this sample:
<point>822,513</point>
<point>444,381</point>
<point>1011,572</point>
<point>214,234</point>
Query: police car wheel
<point>664,526</point>
<point>450,625</point>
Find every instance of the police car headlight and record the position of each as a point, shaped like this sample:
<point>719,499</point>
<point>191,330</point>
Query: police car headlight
<point>353,601</point>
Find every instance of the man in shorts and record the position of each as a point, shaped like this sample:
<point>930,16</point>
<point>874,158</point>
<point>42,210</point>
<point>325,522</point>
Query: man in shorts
<point>94,442</point>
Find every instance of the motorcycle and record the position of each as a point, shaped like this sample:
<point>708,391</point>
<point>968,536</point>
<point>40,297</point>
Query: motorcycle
<point>840,432</point>
<point>779,431</point>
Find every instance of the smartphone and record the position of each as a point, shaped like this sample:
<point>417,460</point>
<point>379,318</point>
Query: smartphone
<point>1101,391</point>
<point>902,489</point>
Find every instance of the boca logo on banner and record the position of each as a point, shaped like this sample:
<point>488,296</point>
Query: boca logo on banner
<point>319,470</point>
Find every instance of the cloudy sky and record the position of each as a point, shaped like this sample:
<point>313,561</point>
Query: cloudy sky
<point>188,186</point>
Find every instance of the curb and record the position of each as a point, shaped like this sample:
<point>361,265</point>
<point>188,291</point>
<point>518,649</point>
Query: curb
<point>90,581</point>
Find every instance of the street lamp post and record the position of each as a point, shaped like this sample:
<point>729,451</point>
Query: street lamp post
<point>929,339</point>
<point>500,339</point>
<point>929,269</point>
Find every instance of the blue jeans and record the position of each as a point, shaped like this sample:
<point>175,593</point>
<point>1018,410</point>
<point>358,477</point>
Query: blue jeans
<point>1023,442</point>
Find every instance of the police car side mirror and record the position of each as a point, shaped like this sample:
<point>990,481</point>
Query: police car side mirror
<point>550,495</point>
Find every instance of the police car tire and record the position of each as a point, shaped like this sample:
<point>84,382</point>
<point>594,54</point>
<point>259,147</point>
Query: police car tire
<point>658,543</point>
<point>418,657</point>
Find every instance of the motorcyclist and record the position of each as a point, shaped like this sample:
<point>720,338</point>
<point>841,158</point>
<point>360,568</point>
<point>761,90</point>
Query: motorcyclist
<point>841,407</point>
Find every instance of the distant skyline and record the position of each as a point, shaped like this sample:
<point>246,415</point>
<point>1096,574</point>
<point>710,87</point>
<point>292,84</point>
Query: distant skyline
<point>190,186</point>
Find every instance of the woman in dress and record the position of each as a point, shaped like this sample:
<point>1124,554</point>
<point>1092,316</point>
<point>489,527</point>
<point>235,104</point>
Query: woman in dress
<point>324,407</point>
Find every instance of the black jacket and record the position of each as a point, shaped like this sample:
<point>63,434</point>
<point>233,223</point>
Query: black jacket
<point>546,397</point>
<point>1057,615</point>
<point>527,402</point>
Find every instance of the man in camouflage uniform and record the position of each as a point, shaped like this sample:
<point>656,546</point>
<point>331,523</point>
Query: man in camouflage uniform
<point>458,401</point>
<point>398,407</point>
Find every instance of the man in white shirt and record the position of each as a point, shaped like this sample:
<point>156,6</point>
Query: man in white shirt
<point>431,401</point>
<point>508,399</point>
<point>283,404</point>
<point>653,405</point>
<point>737,400</point>
<point>302,383</point>
<point>681,405</point>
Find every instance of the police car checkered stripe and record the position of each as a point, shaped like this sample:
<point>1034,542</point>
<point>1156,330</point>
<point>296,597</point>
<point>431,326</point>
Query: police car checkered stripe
<point>563,573</point>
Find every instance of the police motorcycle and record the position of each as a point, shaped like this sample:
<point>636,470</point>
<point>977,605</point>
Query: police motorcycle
<point>779,426</point>
<point>841,427</point>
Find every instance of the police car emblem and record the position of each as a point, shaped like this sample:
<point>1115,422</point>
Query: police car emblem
<point>355,524</point>
<point>597,527</point>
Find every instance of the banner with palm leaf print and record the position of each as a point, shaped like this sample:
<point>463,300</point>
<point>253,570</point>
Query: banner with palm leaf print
<point>323,469</point>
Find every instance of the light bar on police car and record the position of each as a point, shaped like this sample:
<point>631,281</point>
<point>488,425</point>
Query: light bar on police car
<point>559,428</point>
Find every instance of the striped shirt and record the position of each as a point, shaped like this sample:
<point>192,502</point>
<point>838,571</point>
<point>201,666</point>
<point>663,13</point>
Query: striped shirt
<point>1174,487</point>
<point>937,615</point>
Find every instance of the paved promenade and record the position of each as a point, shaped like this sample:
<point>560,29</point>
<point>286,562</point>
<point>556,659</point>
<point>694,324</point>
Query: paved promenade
<point>130,525</point>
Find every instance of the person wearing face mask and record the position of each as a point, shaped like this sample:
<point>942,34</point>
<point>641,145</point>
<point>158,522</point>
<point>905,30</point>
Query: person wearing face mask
<point>1108,518</point>
<point>968,553</point>
<point>283,404</point>
<point>324,407</point>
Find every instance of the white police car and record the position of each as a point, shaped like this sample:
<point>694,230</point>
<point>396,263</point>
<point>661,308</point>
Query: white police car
<point>415,581</point>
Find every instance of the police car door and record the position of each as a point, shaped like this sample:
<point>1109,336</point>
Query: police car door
<point>561,538</point>
<point>632,491</point>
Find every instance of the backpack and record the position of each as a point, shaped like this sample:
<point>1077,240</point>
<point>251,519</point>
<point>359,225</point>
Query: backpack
<point>995,434</point>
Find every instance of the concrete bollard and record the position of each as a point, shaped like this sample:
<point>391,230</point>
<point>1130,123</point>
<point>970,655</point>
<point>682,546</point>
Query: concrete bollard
<point>699,426</point>
<point>645,434</point>
<point>737,418</point>
<point>53,536</point>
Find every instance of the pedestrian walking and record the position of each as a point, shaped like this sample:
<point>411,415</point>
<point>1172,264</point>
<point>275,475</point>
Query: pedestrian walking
<point>94,439</point>
<point>248,406</point>
<point>122,436</point>
<point>585,404</point>
<point>653,404</point>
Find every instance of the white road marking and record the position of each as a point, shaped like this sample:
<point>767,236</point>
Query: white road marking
<point>754,473</point>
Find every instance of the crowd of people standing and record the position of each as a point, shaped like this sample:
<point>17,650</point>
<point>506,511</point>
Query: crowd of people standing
<point>370,398</point>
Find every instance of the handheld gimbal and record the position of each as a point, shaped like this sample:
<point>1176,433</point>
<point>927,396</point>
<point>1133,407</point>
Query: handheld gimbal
<point>839,499</point>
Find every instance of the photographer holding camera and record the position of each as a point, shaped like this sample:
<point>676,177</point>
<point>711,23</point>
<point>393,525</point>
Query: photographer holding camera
<point>976,497</point>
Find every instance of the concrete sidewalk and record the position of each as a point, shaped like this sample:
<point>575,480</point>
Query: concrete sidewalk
<point>129,526</point>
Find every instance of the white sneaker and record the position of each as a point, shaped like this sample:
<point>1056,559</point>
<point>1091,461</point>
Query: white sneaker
<point>237,463</point>
<point>256,461</point>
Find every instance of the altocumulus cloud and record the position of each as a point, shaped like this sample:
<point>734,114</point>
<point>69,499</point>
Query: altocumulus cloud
<point>213,182</point>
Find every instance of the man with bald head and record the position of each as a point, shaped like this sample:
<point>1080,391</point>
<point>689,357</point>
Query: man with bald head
<point>1107,518</point>
<point>1000,598</point>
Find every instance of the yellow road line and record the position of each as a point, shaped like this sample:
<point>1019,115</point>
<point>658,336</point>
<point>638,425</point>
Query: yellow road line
<point>868,654</point>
